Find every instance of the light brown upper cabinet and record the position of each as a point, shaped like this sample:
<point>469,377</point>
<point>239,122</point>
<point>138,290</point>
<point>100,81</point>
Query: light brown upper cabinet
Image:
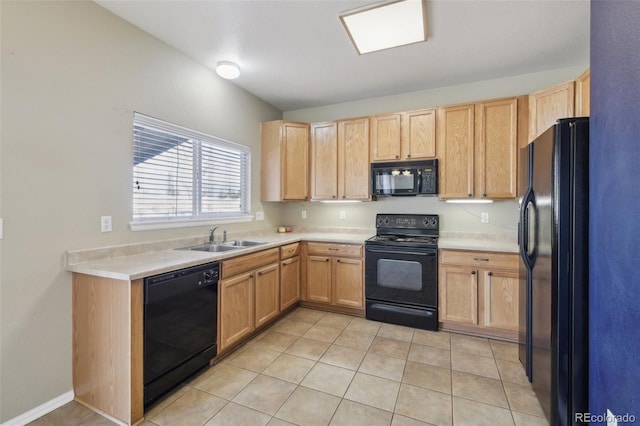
<point>324,161</point>
<point>547,106</point>
<point>478,148</point>
<point>496,149</point>
<point>583,94</point>
<point>404,136</point>
<point>455,150</point>
<point>340,160</point>
<point>284,161</point>
<point>353,159</point>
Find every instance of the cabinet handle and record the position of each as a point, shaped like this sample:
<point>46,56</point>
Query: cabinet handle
<point>480,259</point>
<point>408,155</point>
<point>484,195</point>
<point>470,195</point>
<point>473,272</point>
<point>333,196</point>
<point>284,264</point>
<point>344,196</point>
<point>251,276</point>
<point>259,274</point>
<point>338,260</point>
<point>397,156</point>
<point>327,259</point>
<point>333,249</point>
<point>490,273</point>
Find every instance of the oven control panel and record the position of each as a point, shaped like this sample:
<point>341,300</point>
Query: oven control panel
<point>408,221</point>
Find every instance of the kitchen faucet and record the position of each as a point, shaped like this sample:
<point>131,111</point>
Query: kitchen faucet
<point>212,237</point>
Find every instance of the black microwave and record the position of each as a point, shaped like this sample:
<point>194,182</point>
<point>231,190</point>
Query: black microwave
<point>405,178</point>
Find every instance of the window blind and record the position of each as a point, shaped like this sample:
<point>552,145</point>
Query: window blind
<point>182,173</point>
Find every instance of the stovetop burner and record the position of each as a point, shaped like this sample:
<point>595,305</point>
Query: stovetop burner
<point>416,230</point>
<point>413,240</point>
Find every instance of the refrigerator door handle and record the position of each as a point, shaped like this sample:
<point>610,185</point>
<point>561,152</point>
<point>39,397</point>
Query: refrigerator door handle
<point>528,255</point>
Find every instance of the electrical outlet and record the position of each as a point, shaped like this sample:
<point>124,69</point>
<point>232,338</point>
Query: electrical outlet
<point>259,215</point>
<point>303,214</point>
<point>343,214</point>
<point>105,224</point>
<point>484,217</point>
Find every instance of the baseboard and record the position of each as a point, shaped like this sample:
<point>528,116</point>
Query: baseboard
<point>40,410</point>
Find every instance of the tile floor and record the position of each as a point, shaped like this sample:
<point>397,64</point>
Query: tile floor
<point>316,368</point>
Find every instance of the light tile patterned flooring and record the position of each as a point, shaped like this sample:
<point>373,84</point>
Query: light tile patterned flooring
<point>316,368</point>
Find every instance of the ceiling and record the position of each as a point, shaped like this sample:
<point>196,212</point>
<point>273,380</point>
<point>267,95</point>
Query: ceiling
<point>296,54</point>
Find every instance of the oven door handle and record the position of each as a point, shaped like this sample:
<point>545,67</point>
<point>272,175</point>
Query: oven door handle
<point>411,253</point>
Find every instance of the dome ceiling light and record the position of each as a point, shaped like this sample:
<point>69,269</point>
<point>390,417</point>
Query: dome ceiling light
<point>228,70</point>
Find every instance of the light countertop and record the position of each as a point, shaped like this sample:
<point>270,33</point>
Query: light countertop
<point>135,261</point>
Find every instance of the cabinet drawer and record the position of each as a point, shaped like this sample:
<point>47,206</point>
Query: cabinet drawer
<point>327,249</point>
<point>248,262</point>
<point>289,250</point>
<point>479,259</point>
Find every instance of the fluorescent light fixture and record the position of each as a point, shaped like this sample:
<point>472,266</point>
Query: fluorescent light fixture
<point>228,70</point>
<point>472,201</point>
<point>340,201</point>
<point>385,25</point>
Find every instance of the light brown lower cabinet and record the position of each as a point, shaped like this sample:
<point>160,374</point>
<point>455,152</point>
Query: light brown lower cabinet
<point>289,275</point>
<point>333,276</point>
<point>107,345</point>
<point>478,293</point>
<point>249,295</point>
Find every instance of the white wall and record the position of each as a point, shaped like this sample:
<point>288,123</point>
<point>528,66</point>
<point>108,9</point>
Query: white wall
<point>72,75</point>
<point>470,92</point>
<point>454,217</point>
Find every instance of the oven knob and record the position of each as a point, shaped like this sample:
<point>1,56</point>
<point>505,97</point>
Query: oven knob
<point>379,221</point>
<point>386,220</point>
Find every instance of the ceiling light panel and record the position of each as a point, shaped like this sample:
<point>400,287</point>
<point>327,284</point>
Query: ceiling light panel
<point>386,25</point>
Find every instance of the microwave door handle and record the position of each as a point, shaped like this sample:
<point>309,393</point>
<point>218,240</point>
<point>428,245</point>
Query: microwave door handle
<point>419,184</point>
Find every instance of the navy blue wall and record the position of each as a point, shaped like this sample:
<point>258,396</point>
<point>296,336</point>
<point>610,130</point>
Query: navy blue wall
<point>615,208</point>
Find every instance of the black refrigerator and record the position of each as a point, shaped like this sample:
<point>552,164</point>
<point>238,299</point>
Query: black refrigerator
<point>554,268</point>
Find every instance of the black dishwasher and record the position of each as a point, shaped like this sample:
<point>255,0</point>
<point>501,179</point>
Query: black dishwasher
<point>180,326</point>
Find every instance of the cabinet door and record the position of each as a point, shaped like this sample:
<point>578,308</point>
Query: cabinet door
<point>267,293</point>
<point>236,308</point>
<point>547,106</point>
<point>501,299</point>
<point>295,183</point>
<point>324,161</point>
<point>318,279</point>
<point>348,287</point>
<point>289,282</point>
<point>385,137</point>
<point>583,94</point>
<point>455,150</point>
<point>496,149</point>
<point>419,134</point>
<point>353,159</point>
<point>459,295</point>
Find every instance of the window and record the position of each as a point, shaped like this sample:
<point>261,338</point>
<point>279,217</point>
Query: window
<point>184,178</point>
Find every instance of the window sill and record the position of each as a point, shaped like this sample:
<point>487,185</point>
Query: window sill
<point>149,225</point>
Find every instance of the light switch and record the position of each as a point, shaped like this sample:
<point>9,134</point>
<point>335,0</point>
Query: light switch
<point>259,215</point>
<point>105,224</point>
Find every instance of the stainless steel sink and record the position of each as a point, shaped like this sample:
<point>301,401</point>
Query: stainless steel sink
<point>241,243</point>
<point>211,248</point>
